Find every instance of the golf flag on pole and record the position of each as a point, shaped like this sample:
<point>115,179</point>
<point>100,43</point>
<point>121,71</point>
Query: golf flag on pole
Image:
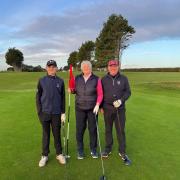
<point>71,86</point>
<point>71,79</point>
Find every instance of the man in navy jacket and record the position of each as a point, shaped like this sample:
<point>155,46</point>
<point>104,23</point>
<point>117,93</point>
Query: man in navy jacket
<point>116,91</point>
<point>50,101</point>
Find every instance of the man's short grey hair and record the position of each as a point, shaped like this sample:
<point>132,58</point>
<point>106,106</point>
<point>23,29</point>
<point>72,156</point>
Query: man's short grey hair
<point>86,62</point>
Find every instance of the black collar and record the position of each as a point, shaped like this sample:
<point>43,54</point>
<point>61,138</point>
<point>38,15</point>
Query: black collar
<point>89,76</point>
<point>53,77</point>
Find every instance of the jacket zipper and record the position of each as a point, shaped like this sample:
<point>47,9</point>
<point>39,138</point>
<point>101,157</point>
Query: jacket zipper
<point>113,79</point>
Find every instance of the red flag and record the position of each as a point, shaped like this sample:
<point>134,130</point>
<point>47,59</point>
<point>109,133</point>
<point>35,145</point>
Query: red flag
<point>71,79</point>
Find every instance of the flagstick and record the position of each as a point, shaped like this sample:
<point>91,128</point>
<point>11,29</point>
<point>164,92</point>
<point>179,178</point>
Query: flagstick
<point>67,143</point>
<point>69,105</point>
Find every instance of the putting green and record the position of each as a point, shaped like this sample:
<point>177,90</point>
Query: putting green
<point>152,132</point>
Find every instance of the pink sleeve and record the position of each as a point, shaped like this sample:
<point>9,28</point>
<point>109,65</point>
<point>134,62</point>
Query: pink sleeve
<point>99,92</point>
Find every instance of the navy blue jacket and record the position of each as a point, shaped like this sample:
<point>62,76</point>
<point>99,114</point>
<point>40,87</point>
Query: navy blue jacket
<point>115,88</point>
<point>50,96</point>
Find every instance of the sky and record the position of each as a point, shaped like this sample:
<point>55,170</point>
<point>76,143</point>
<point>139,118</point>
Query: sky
<point>51,29</point>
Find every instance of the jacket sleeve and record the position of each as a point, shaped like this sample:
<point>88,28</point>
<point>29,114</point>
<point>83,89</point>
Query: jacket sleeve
<point>99,92</point>
<point>127,91</point>
<point>102,102</point>
<point>63,98</point>
<point>38,98</point>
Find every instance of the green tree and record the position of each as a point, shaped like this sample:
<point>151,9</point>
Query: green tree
<point>113,39</point>
<point>73,59</point>
<point>85,51</point>
<point>14,57</point>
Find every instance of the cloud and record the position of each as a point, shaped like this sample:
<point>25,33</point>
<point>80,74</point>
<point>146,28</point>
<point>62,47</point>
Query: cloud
<point>151,19</point>
<point>61,33</point>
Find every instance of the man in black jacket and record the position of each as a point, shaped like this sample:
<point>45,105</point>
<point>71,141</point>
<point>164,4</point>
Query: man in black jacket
<point>50,101</point>
<point>116,91</point>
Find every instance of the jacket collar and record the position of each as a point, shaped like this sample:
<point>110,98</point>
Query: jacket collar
<point>53,77</point>
<point>89,76</point>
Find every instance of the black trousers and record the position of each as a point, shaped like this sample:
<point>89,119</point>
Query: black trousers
<point>49,121</point>
<point>84,117</point>
<point>110,117</point>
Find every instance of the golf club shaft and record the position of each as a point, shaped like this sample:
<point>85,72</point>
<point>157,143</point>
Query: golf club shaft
<point>99,142</point>
<point>64,138</point>
<point>118,119</point>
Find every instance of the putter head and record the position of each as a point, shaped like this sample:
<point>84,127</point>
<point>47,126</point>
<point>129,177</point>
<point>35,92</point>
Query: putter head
<point>103,178</point>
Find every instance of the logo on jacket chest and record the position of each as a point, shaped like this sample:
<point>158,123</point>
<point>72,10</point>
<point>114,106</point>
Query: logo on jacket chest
<point>57,85</point>
<point>118,83</point>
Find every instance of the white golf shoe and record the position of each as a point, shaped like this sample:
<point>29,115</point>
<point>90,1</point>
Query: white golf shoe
<point>43,161</point>
<point>61,159</point>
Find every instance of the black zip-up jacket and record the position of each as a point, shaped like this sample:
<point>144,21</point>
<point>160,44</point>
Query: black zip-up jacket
<point>115,88</point>
<point>86,92</point>
<point>50,96</point>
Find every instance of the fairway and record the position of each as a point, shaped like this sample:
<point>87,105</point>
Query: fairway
<point>152,132</point>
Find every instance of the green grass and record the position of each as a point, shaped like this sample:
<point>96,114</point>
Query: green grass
<point>152,132</point>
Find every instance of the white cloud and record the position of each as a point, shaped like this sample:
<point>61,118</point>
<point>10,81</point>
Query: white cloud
<point>60,33</point>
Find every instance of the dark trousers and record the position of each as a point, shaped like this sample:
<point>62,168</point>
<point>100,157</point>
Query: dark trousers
<point>82,117</point>
<point>110,116</point>
<point>49,121</point>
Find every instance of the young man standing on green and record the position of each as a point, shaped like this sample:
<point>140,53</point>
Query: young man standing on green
<point>50,101</point>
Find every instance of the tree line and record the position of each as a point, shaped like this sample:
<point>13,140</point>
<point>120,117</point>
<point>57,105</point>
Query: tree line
<point>112,40</point>
<point>110,43</point>
<point>176,69</point>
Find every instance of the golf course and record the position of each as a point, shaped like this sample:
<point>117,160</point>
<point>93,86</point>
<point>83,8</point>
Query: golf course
<point>152,132</point>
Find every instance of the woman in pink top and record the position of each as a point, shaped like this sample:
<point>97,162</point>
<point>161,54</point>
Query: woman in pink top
<point>89,95</point>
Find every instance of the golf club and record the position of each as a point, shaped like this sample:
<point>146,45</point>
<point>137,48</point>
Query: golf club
<point>119,123</point>
<point>120,127</point>
<point>64,137</point>
<point>64,152</point>
<point>103,177</point>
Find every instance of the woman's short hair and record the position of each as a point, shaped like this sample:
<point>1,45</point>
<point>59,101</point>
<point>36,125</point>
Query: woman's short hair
<point>86,62</point>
